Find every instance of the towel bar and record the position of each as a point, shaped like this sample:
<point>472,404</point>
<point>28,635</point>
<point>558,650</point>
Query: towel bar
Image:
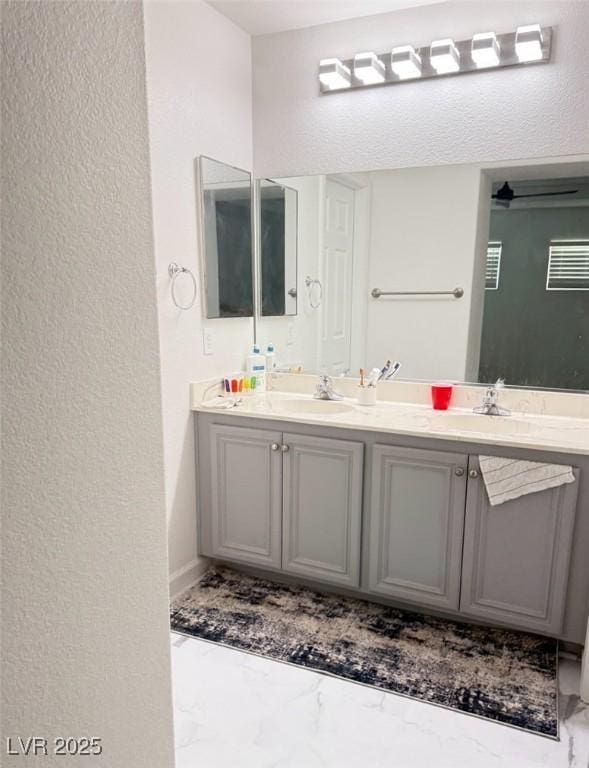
<point>458,293</point>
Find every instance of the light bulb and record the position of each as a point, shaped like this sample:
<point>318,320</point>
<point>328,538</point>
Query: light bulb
<point>485,50</point>
<point>528,42</point>
<point>368,68</point>
<point>405,62</point>
<point>334,75</point>
<point>444,56</point>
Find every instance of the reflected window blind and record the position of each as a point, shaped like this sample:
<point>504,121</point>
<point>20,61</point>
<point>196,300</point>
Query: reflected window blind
<point>568,265</point>
<point>493,265</point>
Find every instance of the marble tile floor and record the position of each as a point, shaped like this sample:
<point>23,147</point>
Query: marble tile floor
<point>235,710</point>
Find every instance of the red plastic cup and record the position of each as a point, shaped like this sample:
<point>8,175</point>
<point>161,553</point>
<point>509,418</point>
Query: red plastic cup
<point>441,395</point>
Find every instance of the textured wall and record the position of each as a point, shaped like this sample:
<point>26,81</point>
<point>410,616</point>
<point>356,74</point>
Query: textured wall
<point>85,642</point>
<point>196,106</point>
<point>522,112</point>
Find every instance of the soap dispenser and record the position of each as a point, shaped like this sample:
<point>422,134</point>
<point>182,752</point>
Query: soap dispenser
<point>256,368</point>
<point>270,358</point>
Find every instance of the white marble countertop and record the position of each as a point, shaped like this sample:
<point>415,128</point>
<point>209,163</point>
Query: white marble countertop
<point>519,430</point>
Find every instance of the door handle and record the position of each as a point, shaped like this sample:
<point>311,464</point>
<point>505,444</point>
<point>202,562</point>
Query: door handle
<point>284,448</point>
<point>459,471</point>
<point>473,473</point>
<point>275,446</point>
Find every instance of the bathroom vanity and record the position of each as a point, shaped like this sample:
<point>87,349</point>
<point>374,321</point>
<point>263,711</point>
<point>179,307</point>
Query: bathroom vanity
<point>465,274</point>
<point>388,503</point>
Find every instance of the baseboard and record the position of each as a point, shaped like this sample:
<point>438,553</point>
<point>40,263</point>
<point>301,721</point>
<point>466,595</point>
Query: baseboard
<point>185,577</point>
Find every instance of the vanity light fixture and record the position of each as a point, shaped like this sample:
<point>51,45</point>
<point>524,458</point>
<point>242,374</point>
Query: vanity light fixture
<point>334,75</point>
<point>405,62</point>
<point>531,44</point>
<point>528,43</point>
<point>368,68</point>
<point>485,50</point>
<point>444,56</point>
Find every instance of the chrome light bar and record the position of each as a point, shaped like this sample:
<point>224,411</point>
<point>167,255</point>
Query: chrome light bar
<point>483,52</point>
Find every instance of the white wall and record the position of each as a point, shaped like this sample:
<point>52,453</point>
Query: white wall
<point>423,237</point>
<point>513,113</point>
<point>85,618</point>
<point>199,102</point>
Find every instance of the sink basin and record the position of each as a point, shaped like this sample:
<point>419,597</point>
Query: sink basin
<point>504,425</point>
<point>325,407</point>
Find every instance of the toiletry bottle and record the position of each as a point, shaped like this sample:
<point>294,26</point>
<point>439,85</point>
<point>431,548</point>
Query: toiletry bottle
<point>256,366</point>
<point>270,358</point>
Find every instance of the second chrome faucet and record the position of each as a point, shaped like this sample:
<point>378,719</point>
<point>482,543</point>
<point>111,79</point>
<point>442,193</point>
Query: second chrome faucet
<point>324,389</point>
<point>490,406</point>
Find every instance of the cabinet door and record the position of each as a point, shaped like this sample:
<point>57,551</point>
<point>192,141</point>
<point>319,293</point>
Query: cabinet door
<point>322,508</point>
<point>246,494</point>
<point>416,525</point>
<point>516,556</point>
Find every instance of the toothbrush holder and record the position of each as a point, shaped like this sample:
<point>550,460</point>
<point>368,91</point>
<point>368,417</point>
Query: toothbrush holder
<point>366,396</point>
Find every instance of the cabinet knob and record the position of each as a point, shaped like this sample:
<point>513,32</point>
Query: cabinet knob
<point>275,446</point>
<point>285,448</point>
<point>459,471</point>
<point>473,473</point>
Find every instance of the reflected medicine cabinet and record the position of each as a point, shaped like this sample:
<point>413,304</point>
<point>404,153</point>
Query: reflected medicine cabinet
<point>225,210</point>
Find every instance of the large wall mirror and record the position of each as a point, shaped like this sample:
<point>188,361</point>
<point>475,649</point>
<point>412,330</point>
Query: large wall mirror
<point>225,197</point>
<point>381,253</point>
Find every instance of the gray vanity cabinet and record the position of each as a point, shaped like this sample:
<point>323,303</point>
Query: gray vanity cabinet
<point>322,508</point>
<point>280,500</point>
<point>244,500</point>
<point>413,527</point>
<point>516,556</point>
<point>416,525</point>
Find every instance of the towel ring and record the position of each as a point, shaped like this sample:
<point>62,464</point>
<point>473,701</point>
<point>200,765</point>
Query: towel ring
<point>310,282</point>
<point>173,271</point>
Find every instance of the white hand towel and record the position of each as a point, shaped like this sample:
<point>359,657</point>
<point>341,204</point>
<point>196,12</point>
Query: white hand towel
<point>507,479</point>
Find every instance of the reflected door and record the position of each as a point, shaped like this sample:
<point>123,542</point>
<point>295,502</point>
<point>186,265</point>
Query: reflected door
<point>338,260</point>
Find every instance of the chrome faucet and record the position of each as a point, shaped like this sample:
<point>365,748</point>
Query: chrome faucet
<point>489,406</point>
<point>324,389</point>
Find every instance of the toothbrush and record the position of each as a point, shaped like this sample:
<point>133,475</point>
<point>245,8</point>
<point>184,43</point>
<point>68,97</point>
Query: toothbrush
<point>384,372</point>
<point>394,370</point>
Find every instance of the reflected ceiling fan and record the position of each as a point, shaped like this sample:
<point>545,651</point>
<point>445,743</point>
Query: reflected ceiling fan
<point>505,195</point>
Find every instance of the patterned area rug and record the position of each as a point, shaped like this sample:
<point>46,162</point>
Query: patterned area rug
<point>509,677</point>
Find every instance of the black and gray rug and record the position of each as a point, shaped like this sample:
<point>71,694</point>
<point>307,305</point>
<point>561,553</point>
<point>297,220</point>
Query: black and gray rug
<point>509,677</point>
